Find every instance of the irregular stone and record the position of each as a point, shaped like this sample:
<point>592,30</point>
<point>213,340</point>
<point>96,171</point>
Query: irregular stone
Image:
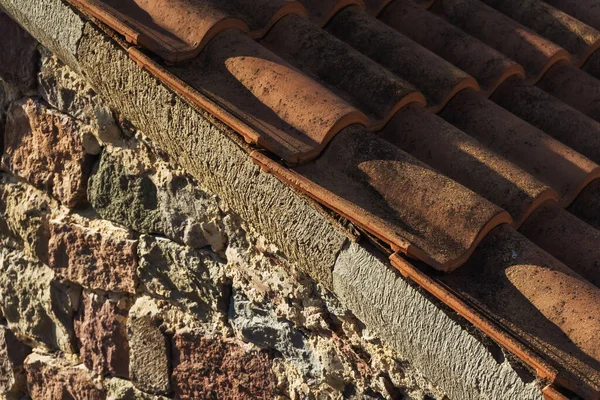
<point>18,54</point>
<point>101,329</point>
<point>12,356</point>
<point>149,348</point>
<point>134,188</point>
<point>192,279</point>
<point>66,91</point>
<point>44,147</point>
<point>37,307</point>
<point>121,389</point>
<point>54,378</point>
<point>262,328</point>
<point>93,253</point>
<point>210,368</point>
<point>24,216</point>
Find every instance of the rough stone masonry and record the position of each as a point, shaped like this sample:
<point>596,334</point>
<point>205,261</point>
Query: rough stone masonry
<point>124,276</point>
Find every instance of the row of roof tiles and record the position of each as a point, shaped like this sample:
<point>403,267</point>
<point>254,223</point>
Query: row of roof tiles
<point>435,126</point>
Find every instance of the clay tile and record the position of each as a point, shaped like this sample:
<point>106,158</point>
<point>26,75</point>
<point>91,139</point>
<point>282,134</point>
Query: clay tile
<point>539,300</point>
<point>371,88</point>
<point>177,30</point>
<point>440,219</point>
<point>587,204</point>
<point>436,78</point>
<point>573,35</point>
<point>548,226</point>
<point>294,116</point>
<point>374,7</point>
<point>454,153</point>
<point>553,163</point>
<point>587,11</point>
<point>321,11</point>
<point>575,87</point>
<point>535,53</point>
<point>550,115</point>
<point>484,63</point>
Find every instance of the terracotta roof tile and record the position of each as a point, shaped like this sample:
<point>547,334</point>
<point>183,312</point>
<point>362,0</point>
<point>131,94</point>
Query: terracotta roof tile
<point>379,101</point>
<point>436,78</point>
<point>294,115</point>
<point>481,61</point>
<point>361,81</point>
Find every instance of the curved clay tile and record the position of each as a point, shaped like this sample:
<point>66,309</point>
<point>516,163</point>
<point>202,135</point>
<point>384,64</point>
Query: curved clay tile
<point>587,11</point>
<point>321,11</point>
<point>550,115</point>
<point>553,163</point>
<point>177,30</point>
<point>587,204</point>
<point>442,146</point>
<point>436,78</point>
<point>575,87</point>
<point>481,61</point>
<point>374,7</point>
<point>576,37</point>
<point>362,82</point>
<point>515,41</point>
<point>539,300</point>
<point>442,220</point>
<point>294,116</point>
<point>548,227</point>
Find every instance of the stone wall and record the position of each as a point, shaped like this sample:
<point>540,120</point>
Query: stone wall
<point>122,277</point>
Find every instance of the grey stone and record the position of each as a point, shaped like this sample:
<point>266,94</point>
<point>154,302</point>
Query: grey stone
<point>149,348</point>
<point>261,327</point>
<point>415,327</point>
<point>121,389</point>
<point>133,187</point>
<point>194,280</point>
<point>35,304</point>
<point>66,91</point>
<point>18,54</point>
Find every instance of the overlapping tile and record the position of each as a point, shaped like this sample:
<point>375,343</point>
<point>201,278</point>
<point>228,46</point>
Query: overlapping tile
<point>294,115</point>
<point>362,82</point>
<point>436,78</point>
<point>481,61</point>
<point>430,186</point>
<point>178,30</point>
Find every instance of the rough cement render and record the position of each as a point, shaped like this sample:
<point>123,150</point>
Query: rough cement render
<point>265,238</point>
<point>438,346</point>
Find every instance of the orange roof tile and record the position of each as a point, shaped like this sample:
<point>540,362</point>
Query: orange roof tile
<point>465,134</point>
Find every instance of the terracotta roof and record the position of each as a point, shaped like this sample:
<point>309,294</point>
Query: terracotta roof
<point>464,134</point>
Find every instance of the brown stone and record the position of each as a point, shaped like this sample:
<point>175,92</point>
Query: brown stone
<point>93,253</point>
<point>44,147</point>
<point>18,53</point>
<point>207,367</point>
<point>53,378</point>
<point>101,328</point>
<point>12,355</point>
<point>149,366</point>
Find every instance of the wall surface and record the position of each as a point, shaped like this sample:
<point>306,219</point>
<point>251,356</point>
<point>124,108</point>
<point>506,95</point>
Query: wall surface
<point>144,256</point>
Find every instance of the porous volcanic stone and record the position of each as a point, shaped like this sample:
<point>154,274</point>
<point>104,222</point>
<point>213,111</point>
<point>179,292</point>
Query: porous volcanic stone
<point>24,216</point>
<point>54,378</point>
<point>93,253</point>
<point>135,188</point>
<point>12,355</point>
<point>121,389</point>
<point>210,368</point>
<point>17,54</point>
<point>35,304</point>
<point>101,329</point>
<point>149,348</point>
<point>193,279</point>
<point>44,147</point>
